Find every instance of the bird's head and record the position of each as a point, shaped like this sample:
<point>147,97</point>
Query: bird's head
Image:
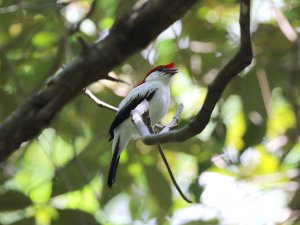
<point>160,73</point>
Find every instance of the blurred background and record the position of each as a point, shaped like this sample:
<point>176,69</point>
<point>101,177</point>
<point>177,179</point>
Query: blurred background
<point>243,169</point>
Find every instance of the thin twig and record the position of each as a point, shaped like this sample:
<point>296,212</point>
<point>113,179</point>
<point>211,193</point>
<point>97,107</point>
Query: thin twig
<point>99,102</point>
<point>171,174</point>
<point>117,80</point>
<point>140,117</point>
<point>174,121</point>
<point>159,126</point>
<point>264,89</point>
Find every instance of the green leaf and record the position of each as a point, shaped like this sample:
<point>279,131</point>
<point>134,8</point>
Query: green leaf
<point>44,39</point>
<point>282,117</point>
<point>106,23</point>
<point>41,193</point>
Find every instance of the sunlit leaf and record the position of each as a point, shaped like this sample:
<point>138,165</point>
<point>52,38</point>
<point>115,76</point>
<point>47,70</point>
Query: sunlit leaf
<point>234,120</point>
<point>41,193</point>
<point>44,39</point>
<point>83,199</point>
<point>282,117</point>
<point>106,23</point>
<point>36,168</point>
<point>44,214</point>
<point>81,169</point>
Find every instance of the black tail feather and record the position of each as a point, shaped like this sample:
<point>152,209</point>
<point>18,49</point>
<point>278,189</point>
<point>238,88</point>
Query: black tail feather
<point>113,165</point>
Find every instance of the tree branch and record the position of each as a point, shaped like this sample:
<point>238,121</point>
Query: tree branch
<point>140,118</point>
<point>130,33</point>
<point>99,102</point>
<point>237,64</point>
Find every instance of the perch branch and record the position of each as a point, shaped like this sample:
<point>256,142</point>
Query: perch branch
<point>137,117</point>
<point>140,118</point>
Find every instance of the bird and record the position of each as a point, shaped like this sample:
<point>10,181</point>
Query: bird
<point>155,88</point>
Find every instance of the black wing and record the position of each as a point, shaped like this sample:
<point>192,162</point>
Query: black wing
<point>124,112</point>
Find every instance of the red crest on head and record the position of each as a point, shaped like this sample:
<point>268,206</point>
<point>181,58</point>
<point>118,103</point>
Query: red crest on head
<point>167,66</point>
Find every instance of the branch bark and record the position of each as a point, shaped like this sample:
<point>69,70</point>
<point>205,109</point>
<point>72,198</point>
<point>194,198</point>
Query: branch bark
<point>130,33</point>
<point>236,65</point>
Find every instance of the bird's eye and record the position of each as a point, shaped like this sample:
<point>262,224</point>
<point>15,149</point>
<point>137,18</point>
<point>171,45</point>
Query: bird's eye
<point>160,69</point>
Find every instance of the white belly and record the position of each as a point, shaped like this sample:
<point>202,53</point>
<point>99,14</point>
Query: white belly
<point>158,105</point>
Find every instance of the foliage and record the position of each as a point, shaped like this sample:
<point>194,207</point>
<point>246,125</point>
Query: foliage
<point>243,169</point>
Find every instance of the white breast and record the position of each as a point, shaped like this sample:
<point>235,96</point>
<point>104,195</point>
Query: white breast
<point>159,104</point>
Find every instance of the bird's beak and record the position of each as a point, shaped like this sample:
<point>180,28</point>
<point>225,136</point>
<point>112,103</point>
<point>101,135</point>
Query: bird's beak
<point>170,71</point>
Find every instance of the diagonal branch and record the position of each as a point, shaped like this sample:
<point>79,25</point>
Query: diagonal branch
<point>130,33</point>
<point>236,65</point>
<point>98,101</point>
